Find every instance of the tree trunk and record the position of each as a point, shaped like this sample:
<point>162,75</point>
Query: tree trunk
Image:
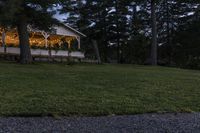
<point>3,40</point>
<point>105,41</point>
<point>118,32</point>
<point>94,42</point>
<point>169,33</point>
<point>154,34</point>
<point>25,52</point>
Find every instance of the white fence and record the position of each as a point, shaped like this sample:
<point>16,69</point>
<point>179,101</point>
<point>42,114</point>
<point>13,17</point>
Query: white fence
<point>42,52</point>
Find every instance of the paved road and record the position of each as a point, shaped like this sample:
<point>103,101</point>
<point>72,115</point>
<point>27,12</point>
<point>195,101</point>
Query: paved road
<point>148,123</point>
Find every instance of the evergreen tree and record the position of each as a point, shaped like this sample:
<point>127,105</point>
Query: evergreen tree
<point>171,15</point>
<point>154,33</point>
<point>120,27</point>
<point>20,13</point>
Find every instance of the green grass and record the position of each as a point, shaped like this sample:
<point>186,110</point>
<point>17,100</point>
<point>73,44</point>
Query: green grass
<point>87,89</point>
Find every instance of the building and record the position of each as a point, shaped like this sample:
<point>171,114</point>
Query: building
<point>62,41</point>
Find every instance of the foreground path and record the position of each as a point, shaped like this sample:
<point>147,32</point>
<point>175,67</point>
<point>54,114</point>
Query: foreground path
<point>114,124</point>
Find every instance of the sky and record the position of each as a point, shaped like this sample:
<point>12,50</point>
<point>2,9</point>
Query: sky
<point>60,17</point>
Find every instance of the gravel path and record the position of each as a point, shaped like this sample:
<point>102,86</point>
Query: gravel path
<point>147,123</point>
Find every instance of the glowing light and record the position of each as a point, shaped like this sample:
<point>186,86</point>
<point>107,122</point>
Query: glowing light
<point>37,39</point>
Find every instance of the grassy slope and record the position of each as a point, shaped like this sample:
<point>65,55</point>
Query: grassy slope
<point>58,89</point>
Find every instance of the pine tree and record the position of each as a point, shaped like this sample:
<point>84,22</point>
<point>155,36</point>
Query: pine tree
<point>20,13</point>
<point>171,15</point>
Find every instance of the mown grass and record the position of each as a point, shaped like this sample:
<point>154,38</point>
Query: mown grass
<point>87,89</point>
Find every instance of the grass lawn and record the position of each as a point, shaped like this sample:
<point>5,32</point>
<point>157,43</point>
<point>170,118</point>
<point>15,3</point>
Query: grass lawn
<point>88,89</point>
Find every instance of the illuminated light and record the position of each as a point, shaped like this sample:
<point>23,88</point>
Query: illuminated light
<point>37,39</point>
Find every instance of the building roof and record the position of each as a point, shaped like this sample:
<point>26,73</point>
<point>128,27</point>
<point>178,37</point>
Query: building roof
<point>65,26</point>
<point>73,30</point>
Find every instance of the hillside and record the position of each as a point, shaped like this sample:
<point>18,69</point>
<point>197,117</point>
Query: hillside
<point>87,89</point>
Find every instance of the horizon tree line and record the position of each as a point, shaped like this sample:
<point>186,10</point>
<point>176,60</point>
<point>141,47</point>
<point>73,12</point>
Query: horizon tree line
<point>131,31</point>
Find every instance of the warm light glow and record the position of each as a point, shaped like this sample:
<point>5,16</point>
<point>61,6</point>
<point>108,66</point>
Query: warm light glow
<point>36,39</point>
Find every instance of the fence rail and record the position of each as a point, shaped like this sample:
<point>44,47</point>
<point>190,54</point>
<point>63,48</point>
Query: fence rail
<point>45,53</point>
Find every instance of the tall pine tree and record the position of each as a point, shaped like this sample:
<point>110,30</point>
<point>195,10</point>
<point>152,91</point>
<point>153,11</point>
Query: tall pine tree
<point>20,13</point>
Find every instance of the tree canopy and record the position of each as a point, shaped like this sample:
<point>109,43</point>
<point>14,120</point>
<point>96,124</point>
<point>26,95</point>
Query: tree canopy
<point>126,31</point>
<point>20,13</point>
<point>123,28</point>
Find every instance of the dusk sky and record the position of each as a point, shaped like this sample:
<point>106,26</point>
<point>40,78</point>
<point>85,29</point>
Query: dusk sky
<point>60,17</point>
